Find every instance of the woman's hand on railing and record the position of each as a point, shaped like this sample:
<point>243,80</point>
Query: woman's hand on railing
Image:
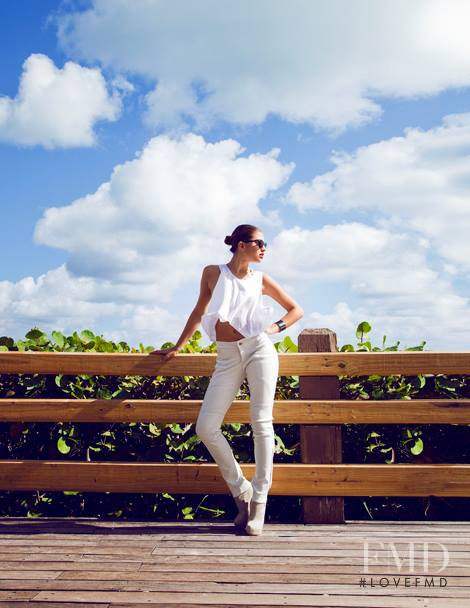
<point>168,353</point>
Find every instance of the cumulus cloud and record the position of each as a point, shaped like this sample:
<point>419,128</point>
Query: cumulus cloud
<point>326,63</point>
<point>56,108</point>
<point>160,216</point>
<point>389,277</point>
<point>141,240</point>
<point>58,300</point>
<point>418,182</point>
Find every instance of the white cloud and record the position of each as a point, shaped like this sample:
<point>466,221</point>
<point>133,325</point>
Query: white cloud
<point>326,63</point>
<point>418,182</point>
<point>160,216</point>
<point>54,297</point>
<point>387,273</point>
<point>58,300</point>
<point>138,242</point>
<point>56,108</point>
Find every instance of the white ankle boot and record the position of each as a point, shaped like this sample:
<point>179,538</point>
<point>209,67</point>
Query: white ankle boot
<point>243,504</point>
<point>256,515</point>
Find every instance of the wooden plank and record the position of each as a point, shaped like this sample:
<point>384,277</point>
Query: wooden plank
<point>320,444</point>
<point>128,599</point>
<point>202,364</point>
<point>288,479</point>
<point>119,567</point>
<point>256,587</point>
<point>240,561</point>
<point>337,578</point>
<point>268,538</point>
<point>30,583</point>
<point>104,526</point>
<point>23,562</point>
<point>286,411</point>
<point>30,604</point>
<point>236,576</point>
<point>249,548</point>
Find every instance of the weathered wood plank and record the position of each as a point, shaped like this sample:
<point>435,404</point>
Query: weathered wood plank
<point>31,604</point>
<point>268,542</point>
<point>288,479</point>
<point>129,599</point>
<point>286,411</point>
<point>256,587</point>
<point>336,578</point>
<point>199,364</point>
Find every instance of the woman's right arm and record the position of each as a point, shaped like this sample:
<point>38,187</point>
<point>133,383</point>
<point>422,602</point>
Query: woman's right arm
<point>194,319</point>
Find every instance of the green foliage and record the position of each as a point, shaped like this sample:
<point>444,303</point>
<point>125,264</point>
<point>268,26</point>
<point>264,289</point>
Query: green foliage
<point>177,442</point>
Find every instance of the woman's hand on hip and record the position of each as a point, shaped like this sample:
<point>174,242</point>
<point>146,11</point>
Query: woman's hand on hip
<point>272,329</point>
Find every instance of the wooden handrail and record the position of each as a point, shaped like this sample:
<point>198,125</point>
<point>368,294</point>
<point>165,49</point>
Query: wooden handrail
<point>286,411</point>
<point>202,364</point>
<point>190,478</point>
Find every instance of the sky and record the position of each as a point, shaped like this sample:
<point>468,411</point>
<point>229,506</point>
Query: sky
<point>136,134</point>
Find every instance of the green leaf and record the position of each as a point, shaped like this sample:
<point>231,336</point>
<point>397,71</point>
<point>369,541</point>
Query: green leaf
<point>290,345</point>
<point>34,334</point>
<point>62,446</point>
<point>154,429</point>
<point>418,447</point>
<point>362,328</point>
<point>59,339</point>
<point>176,428</point>
<point>6,341</point>
<point>21,345</point>
<point>87,336</point>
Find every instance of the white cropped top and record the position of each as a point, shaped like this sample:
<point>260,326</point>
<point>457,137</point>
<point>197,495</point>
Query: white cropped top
<point>240,302</point>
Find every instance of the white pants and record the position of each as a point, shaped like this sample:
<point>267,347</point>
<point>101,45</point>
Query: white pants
<point>256,359</point>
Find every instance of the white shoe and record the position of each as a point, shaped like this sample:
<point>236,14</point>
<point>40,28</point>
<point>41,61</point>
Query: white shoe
<point>256,515</point>
<point>243,504</point>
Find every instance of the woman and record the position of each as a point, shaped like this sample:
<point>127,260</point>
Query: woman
<point>231,311</point>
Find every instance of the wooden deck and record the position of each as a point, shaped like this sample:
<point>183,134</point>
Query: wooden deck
<point>55,562</point>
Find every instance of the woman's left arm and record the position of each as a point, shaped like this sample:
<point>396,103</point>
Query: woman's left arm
<point>276,292</point>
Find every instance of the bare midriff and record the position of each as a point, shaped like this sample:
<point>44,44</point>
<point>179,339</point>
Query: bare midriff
<point>226,332</point>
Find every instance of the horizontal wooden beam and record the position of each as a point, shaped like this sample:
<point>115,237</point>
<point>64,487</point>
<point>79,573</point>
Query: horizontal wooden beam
<point>185,364</point>
<point>286,411</point>
<point>288,479</point>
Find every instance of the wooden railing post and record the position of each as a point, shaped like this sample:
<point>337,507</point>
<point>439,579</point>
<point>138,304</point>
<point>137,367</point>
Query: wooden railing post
<point>320,443</point>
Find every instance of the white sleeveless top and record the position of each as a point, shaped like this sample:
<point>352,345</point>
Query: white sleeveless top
<point>240,302</point>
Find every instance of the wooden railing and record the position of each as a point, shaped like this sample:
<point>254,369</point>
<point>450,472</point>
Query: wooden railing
<point>321,479</point>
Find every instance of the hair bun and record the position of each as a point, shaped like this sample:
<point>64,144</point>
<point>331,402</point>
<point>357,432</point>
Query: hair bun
<point>228,240</point>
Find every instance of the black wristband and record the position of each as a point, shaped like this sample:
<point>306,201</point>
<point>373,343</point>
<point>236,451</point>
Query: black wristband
<point>281,324</point>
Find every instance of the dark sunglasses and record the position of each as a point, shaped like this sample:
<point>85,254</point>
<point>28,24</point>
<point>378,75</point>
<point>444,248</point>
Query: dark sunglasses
<point>259,242</point>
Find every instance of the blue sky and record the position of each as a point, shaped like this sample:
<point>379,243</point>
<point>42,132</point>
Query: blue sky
<point>122,173</point>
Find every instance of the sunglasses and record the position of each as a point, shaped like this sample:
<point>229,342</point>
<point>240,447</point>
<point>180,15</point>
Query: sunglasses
<point>259,242</point>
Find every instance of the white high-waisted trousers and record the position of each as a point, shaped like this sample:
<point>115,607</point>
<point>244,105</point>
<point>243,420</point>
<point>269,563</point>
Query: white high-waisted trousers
<point>256,359</point>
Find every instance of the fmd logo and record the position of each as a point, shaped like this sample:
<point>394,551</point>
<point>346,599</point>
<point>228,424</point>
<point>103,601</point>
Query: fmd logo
<point>414,556</point>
